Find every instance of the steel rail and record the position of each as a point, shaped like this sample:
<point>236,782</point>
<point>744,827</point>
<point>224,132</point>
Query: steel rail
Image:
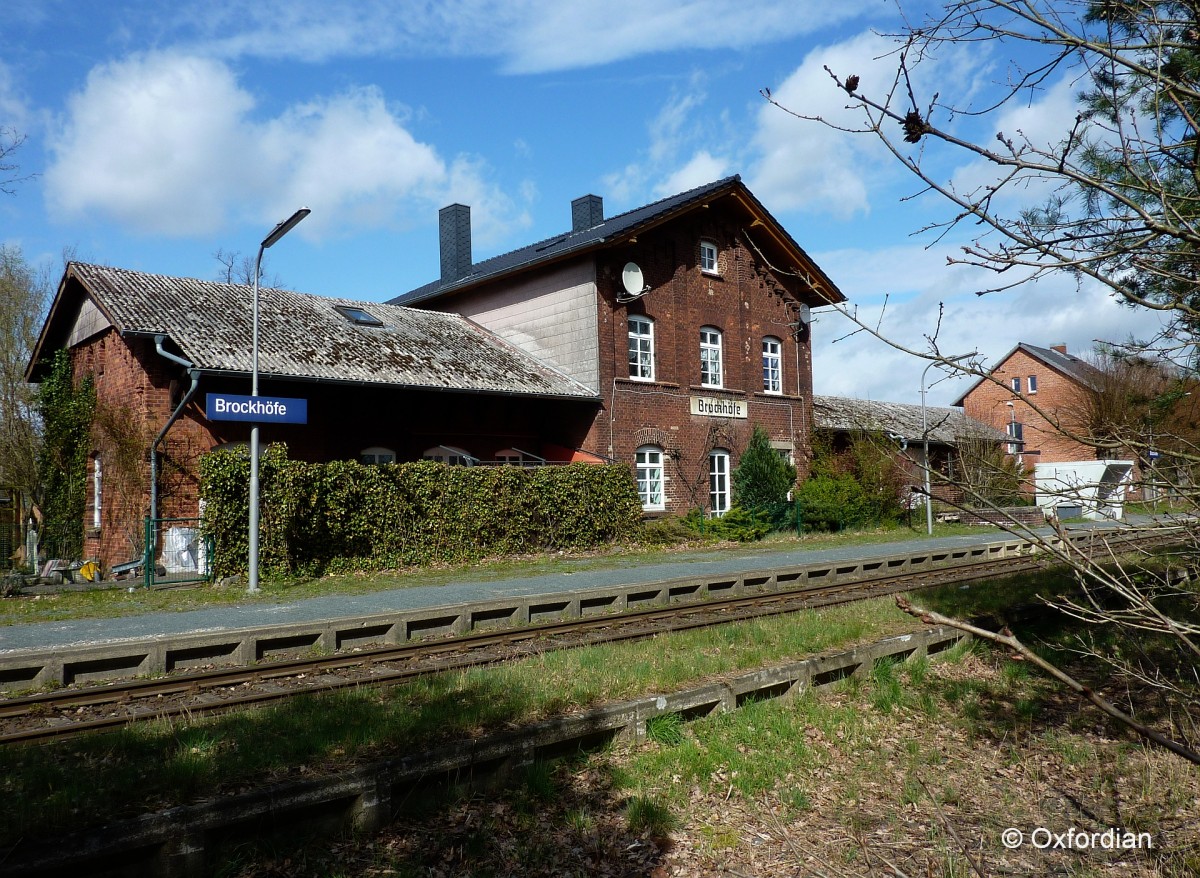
<point>463,651</point>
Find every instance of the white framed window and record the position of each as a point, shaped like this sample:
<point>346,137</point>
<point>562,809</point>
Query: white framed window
<point>1016,435</point>
<point>650,477</point>
<point>710,356</point>
<point>1032,385</point>
<point>375,454</point>
<point>641,348</point>
<point>450,455</point>
<point>97,479</point>
<point>708,257</point>
<point>718,482</point>
<point>772,365</point>
<point>1016,385</point>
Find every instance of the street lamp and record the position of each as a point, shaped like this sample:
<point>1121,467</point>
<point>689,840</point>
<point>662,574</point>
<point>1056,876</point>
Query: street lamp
<point>925,436</point>
<point>276,233</point>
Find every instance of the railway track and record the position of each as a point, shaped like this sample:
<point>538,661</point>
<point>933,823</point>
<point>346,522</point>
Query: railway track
<point>67,712</point>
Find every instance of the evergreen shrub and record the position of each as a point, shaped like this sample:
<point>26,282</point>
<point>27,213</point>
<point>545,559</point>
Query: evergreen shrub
<point>344,516</point>
<point>762,479</point>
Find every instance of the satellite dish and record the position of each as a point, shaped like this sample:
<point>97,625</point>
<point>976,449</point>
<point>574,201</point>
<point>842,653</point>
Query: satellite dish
<point>633,281</point>
<point>805,314</point>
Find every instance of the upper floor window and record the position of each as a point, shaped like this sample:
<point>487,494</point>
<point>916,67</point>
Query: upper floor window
<point>1032,385</point>
<point>641,348</point>
<point>375,454</point>
<point>708,257</point>
<point>650,477</point>
<point>718,482</point>
<point>710,356</point>
<point>772,350</point>
<point>1016,385</point>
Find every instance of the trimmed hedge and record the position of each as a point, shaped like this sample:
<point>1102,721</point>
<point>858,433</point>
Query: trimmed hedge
<point>344,516</point>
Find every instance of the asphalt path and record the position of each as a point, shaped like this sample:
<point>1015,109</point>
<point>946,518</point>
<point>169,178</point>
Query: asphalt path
<point>472,588</point>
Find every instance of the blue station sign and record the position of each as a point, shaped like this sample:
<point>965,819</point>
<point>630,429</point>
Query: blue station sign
<point>259,409</point>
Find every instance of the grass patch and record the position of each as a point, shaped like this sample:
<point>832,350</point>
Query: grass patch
<point>73,783</point>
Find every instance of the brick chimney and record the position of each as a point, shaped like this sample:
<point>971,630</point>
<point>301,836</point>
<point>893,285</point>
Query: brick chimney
<point>1061,347</point>
<point>454,238</point>
<point>586,212</point>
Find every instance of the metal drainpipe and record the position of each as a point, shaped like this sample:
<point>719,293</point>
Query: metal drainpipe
<point>194,373</point>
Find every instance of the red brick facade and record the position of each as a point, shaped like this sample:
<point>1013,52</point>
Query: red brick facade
<point>747,303</point>
<point>1048,416</point>
<point>742,298</point>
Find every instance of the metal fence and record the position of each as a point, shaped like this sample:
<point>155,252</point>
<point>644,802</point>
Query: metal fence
<point>177,552</point>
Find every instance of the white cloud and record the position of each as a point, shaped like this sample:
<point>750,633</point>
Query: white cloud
<point>526,36</point>
<point>805,165</point>
<point>169,143</point>
<point>676,155</point>
<point>13,110</point>
<point>925,290</point>
<point>702,168</point>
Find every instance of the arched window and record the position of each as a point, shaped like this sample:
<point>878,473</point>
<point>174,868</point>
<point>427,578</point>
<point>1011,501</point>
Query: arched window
<point>641,348</point>
<point>708,257</point>
<point>772,350</point>
<point>650,477</point>
<point>448,454</point>
<point>718,481</point>
<point>710,356</point>
<point>375,454</point>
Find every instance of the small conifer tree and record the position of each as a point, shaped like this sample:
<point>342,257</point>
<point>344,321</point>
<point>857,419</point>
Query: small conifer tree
<point>762,478</point>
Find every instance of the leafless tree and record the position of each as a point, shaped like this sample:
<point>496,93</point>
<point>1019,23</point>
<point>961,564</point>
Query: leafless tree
<point>237,268</point>
<point>24,295</point>
<point>1112,201</point>
<point>11,140</point>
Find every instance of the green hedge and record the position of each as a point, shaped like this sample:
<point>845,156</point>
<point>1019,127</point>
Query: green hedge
<point>343,516</point>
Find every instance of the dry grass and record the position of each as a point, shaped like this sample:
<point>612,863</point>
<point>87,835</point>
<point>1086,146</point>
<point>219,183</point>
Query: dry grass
<point>875,779</point>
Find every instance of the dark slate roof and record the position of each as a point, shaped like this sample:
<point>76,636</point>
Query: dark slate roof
<point>946,425</point>
<point>611,229</point>
<point>1079,371</point>
<point>301,336</point>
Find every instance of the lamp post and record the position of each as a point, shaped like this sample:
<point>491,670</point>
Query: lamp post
<point>276,233</point>
<point>925,437</point>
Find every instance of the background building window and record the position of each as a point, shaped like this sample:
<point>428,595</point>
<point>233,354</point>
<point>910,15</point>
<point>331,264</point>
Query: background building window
<point>375,454</point>
<point>448,454</point>
<point>772,365</point>
<point>718,482</point>
<point>641,348</point>
<point>1016,435</point>
<point>710,356</point>
<point>650,477</point>
<point>708,257</point>
<point>1032,385</point>
<point>1016,385</point>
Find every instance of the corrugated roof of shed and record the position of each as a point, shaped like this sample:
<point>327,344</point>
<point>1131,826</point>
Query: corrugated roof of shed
<point>947,426</point>
<point>302,336</point>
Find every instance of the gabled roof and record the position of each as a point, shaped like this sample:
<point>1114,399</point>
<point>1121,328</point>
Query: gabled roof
<point>947,426</point>
<point>301,336</point>
<point>1077,370</point>
<point>619,229</point>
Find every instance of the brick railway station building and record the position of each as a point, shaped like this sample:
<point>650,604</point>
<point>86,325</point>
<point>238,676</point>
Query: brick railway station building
<point>655,338</point>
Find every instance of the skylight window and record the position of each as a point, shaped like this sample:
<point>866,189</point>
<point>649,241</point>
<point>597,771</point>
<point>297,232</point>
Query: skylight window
<point>358,315</point>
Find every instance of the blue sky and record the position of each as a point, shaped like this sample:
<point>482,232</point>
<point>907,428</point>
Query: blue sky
<point>162,132</point>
